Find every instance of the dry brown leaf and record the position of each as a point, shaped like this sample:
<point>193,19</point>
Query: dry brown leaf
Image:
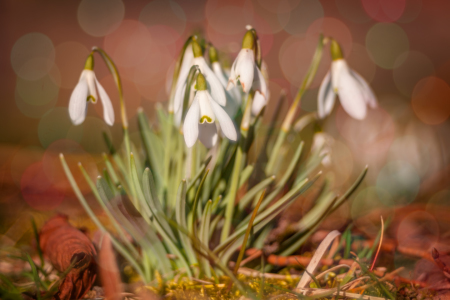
<point>63,244</point>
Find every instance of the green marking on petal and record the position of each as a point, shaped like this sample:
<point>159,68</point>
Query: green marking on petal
<point>91,98</point>
<point>205,118</point>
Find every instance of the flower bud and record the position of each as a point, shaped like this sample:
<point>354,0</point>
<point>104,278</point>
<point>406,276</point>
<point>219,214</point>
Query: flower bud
<point>213,56</point>
<point>89,65</point>
<point>201,82</point>
<point>336,51</point>
<point>196,48</point>
<point>248,42</point>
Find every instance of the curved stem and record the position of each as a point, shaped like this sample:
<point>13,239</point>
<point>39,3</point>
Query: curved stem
<point>115,73</point>
<point>287,123</point>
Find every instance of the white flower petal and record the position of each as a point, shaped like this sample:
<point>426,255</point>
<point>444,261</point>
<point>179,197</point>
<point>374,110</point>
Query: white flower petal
<point>351,95</point>
<point>245,69</point>
<point>217,69</point>
<point>259,101</point>
<point>208,134</point>
<point>206,112</point>
<point>326,97</point>
<point>78,103</point>
<point>233,95</point>
<point>178,115</point>
<point>369,95</point>
<point>90,79</point>
<point>337,68</point>
<point>214,86</point>
<point>190,126</point>
<point>108,111</point>
<point>179,97</point>
<point>226,124</point>
<point>233,75</point>
<point>259,83</point>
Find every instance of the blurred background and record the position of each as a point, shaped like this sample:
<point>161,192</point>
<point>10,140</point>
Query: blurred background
<point>402,47</point>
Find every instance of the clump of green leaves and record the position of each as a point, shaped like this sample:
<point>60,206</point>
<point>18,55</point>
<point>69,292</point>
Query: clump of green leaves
<point>188,210</point>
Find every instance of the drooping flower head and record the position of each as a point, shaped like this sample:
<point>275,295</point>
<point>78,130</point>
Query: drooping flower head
<point>246,71</point>
<point>213,84</point>
<point>354,92</point>
<point>233,95</point>
<point>86,91</point>
<point>200,121</point>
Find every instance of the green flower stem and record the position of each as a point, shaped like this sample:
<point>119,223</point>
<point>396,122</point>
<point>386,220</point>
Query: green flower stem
<point>176,73</point>
<point>94,218</point>
<point>237,168</point>
<point>115,72</point>
<point>287,123</point>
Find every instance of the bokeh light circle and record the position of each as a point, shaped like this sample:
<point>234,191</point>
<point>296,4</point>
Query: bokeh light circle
<point>352,10</point>
<point>32,56</point>
<point>369,200</point>
<point>92,135</point>
<point>165,20</point>
<point>194,10</point>
<point>100,17</point>
<point>417,154</point>
<point>341,162</point>
<point>418,230</point>
<point>70,59</point>
<point>411,12</point>
<point>294,57</point>
<point>370,138</point>
<point>38,191</point>
<point>53,126</point>
<point>360,61</point>
<point>22,159</point>
<point>438,206</point>
<point>302,16</point>
<point>384,10</point>
<point>401,180</point>
<point>385,43</point>
<point>73,154</point>
<point>430,100</point>
<point>38,92</point>
<point>282,6</point>
<point>415,66</point>
<point>228,20</point>
<point>129,44</point>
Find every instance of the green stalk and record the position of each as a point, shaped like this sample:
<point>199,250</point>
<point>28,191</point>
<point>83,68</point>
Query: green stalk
<point>115,73</point>
<point>96,221</point>
<point>237,168</point>
<point>287,123</point>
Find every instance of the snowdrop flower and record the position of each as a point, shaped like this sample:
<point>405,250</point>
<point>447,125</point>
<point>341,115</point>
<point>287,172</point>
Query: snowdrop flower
<point>213,84</point>
<point>353,91</point>
<point>233,95</point>
<point>201,116</point>
<point>245,70</point>
<point>86,91</point>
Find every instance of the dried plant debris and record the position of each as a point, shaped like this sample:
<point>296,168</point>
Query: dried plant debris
<point>67,248</point>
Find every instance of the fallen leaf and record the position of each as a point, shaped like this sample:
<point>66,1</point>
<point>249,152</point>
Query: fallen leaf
<point>62,245</point>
